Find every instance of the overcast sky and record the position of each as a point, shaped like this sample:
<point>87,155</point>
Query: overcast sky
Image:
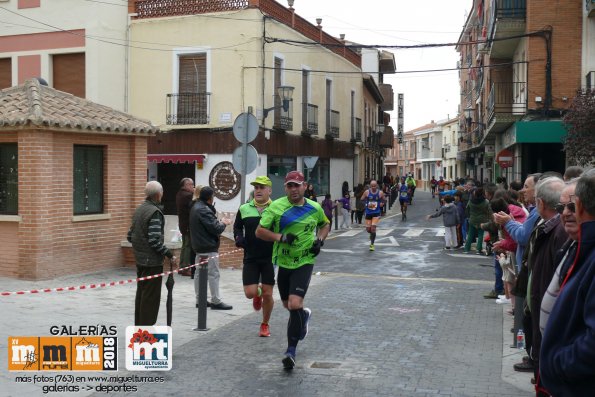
<point>428,96</point>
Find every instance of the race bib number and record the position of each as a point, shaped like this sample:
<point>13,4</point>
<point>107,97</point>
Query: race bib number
<point>372,205</point>
<point>404,194</point>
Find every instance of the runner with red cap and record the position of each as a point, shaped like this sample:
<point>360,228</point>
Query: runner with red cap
<point>298,227</point>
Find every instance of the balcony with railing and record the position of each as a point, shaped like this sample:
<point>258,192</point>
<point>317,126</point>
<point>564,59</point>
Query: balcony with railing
<point>332,123</point>
<point>356,129</point>
<point>507,103</point>
<point>309,119</point>
<point>507,18</point>
<point>188,108</point>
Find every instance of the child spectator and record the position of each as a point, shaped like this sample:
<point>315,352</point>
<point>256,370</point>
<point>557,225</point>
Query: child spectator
<point>461,210</point>
<point>345,208</point>
<point>450,218</point>
<point>328,205</point>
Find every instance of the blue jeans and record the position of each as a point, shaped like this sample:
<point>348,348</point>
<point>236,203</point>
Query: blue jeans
<point>464,228</point>
<point>499,284</point>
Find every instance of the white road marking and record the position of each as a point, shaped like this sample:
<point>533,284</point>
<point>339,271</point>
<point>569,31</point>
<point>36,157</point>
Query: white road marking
<point>337,251</point>
<point>350,233</point>
<point>471,256</point>
<point>413,232</point>
<point>393,242</point>
<point>383,232</point>
<point>440,233</point>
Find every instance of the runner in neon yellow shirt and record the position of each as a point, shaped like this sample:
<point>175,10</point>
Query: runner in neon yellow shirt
<point>298,227</point>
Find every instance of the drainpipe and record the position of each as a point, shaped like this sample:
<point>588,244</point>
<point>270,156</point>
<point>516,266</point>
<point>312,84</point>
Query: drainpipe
<point>264,30</point>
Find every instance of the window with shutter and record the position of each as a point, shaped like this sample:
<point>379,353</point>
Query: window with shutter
<point>5,73</point>
<point>88,180</point>
<point>192,104</point>
<point>9,179</point>
<point>68,73</point>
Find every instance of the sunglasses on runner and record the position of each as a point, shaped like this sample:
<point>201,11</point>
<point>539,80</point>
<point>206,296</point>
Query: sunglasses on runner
<point>560,207</point>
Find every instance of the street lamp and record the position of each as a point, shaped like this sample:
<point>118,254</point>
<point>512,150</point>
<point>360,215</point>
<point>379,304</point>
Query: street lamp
<point>469,118</point>
<point>285,93</point>
<point>380,128</point>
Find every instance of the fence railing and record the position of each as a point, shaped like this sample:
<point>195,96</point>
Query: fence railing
<point>188,108</point>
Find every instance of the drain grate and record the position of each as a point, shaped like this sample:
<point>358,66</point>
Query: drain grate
<point>325,365</point>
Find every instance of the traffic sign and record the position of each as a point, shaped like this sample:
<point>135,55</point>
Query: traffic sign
<point>505,158</point>
<point>245,128</point>
<point>251,159</point>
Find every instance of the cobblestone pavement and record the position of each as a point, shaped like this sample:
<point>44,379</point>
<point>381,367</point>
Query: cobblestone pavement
<point>386,323</point>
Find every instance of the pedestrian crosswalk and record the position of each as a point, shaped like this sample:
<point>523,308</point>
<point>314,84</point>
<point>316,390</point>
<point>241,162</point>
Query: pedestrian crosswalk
<point>398,232</point>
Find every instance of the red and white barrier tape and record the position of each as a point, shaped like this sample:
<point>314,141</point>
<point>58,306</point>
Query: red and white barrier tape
<point>110,284</point>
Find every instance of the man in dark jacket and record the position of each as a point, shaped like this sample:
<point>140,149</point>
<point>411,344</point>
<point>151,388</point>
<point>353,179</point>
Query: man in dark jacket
<point>146,235</point>
<point>258,254</point>
<point>183,204</point>
<point>546,239</point>
<point>567,365</point>
<point>205,232</point>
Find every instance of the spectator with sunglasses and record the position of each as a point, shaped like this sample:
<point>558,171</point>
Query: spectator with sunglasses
<point>568,349</point>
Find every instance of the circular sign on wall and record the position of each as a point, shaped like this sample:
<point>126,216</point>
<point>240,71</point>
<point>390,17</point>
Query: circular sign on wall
<point>225,180</point>
<point>505,158</point>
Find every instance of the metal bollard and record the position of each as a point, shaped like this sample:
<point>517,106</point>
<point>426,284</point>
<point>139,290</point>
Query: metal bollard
<point>336,218</point>
<point>203,278</point>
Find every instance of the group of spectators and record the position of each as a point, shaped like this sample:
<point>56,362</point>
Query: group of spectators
<point>542,235</point>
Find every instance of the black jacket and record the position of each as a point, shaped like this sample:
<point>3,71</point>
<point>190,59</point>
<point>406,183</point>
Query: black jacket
<point>247,220</point>
<point>205,229</point>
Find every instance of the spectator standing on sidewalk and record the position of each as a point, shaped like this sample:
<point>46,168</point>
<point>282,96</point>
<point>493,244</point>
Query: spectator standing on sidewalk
<point>258,262</point>
<point>345,209</point>
<point>328,206</point>
<point>478,211</point>
<point>146,235</point>
<point>298,226</point>
<point>568,348</point>
<point>450,219</point>
<point>183,205</point>
<point>205,232</point>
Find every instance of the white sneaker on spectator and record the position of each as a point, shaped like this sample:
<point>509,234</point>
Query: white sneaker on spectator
<point>501,301</point>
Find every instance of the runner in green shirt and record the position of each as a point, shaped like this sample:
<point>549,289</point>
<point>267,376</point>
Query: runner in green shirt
<point>298,227</point>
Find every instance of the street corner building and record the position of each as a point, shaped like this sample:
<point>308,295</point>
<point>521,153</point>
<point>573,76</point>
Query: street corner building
<point>71,174</point>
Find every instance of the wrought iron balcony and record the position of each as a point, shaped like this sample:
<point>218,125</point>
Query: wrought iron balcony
<point>332,123</point>
<point>507,98</point>
<point>188,108</point>
<point>356,129</point>
<point>283,119</point>
<point>309,119</point>
<point>508,18</point>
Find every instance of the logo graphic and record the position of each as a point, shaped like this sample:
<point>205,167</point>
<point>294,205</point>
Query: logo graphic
<point>55,353</point>
<point>63,353</point>
<point>149,348</point>
<point>23,353</point>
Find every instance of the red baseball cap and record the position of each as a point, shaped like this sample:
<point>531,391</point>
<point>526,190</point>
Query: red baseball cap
<point>294,177</point>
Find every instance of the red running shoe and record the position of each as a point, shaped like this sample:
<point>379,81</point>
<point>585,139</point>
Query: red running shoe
<point>264,330</point>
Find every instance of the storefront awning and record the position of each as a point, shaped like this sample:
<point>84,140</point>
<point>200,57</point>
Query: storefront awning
<point>175,158</point>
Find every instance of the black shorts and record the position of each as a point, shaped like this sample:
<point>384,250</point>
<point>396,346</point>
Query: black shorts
<point>294,281</point>
<point>258,271</point>
<point>372,216</point>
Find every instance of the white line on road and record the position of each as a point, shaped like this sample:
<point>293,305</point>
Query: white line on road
<point>440,233</point>
<point>471,256</point>
<point>393,242</point>
<point>413,232</point>
<point>350,233</point>
<point>337,251</point>
<point>383,232</point>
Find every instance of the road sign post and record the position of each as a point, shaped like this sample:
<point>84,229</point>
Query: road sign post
<point>245,130</point>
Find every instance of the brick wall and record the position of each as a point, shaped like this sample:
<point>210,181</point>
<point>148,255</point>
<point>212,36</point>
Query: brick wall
<point>566,18</point>
<point>50,244</point>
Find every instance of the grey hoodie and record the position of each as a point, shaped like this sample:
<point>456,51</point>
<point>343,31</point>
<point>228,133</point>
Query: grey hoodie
<point>450,213</point>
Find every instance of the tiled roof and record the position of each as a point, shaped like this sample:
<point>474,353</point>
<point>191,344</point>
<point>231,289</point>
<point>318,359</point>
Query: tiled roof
<point>423,127</point>
<point>33,104</point>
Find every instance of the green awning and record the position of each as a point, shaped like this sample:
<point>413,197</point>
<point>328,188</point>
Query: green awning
<point>540,131</point>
